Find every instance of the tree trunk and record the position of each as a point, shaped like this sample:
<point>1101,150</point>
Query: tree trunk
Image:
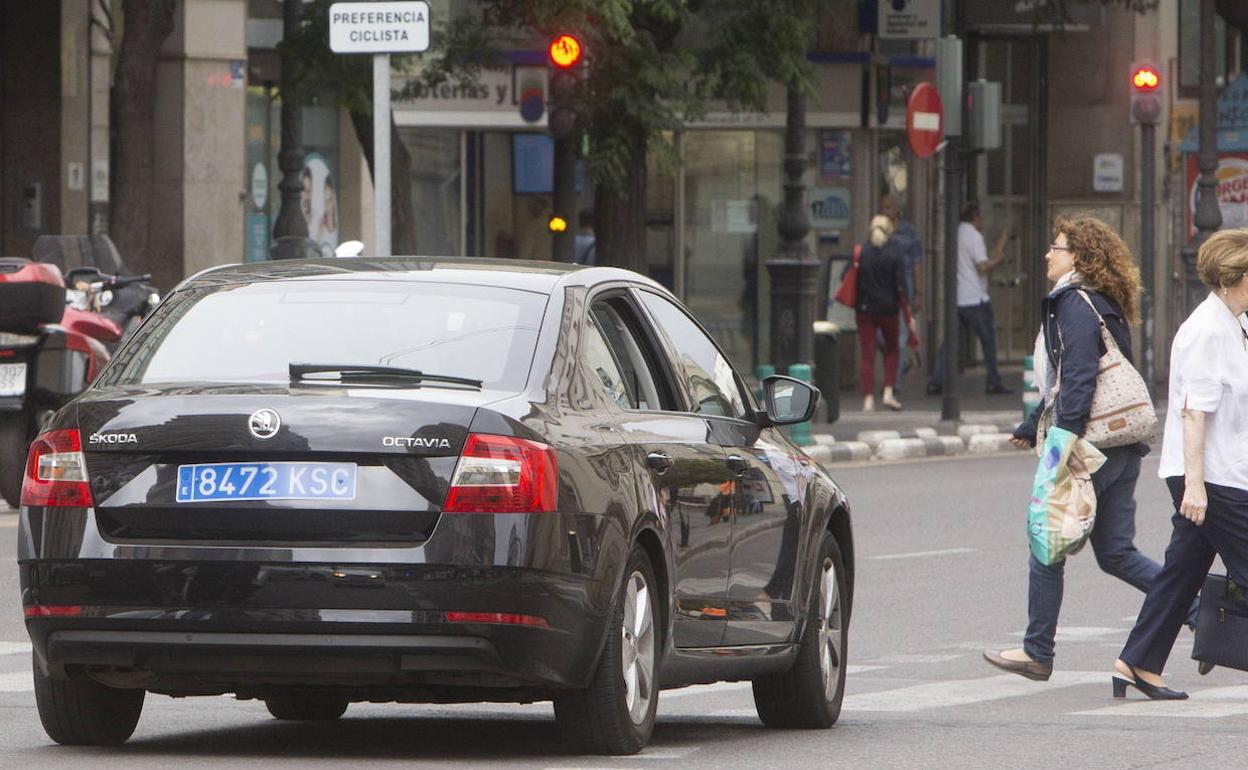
<point>133,104</point>
<point>620,214</point>
<point>403,241</point>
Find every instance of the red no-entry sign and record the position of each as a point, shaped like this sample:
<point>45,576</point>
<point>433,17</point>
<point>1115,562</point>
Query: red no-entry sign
<point>924,122</point>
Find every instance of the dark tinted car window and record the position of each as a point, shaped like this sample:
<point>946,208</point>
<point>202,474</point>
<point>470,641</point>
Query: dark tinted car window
<point>604,369</point>
<point>707,375</point>
<point>251,333</point>
<point>632,353</point>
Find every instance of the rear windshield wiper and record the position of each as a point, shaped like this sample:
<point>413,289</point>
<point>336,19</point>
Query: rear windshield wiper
<point>370,373</point>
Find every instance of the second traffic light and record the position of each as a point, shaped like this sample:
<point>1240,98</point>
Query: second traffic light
<point>1145,94</point>
<point>566,56</point>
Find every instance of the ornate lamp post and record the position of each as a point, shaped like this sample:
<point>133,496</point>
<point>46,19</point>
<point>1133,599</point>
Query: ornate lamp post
<point>290,232</point>
<point>794,272</point>
<point>1208,217</point>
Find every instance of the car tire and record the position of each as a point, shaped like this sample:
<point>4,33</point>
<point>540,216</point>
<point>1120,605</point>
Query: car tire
<point>615,714</point>
<point>14,441</point>
<point>82,712</point>
<point>809,695</point>
<point>306,708</point>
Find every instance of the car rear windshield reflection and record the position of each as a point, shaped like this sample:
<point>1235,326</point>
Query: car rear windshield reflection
<point>253,332</point>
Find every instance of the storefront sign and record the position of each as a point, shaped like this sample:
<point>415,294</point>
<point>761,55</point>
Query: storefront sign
<point>909,19</point>
<point>508,97</point>
<point>1232,190</point>
<point>400,27</point>
<point>829,208</point>
<point>1107,168</point>
<point>834,156</point>
<point>1032,16</point>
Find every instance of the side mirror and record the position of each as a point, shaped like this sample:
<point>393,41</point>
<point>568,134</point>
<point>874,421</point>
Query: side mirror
<point>789,401</point>
<point>86,274</point>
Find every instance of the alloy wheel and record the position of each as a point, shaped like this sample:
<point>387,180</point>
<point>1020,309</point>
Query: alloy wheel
<point>831,638</point>
<point>637,660</point>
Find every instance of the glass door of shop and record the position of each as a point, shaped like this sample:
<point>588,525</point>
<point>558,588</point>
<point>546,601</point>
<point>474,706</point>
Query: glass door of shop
<point>732,187</point>
<point>1009,184</point>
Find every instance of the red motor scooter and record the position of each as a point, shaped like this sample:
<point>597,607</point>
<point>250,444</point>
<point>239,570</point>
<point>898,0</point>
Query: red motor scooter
<point>53,343</point>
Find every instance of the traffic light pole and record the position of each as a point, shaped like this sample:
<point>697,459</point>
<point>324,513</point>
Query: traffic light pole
<point>381,153</point>
<point>950,410</point>
<point>563,243</point>
<point>1148,140</point>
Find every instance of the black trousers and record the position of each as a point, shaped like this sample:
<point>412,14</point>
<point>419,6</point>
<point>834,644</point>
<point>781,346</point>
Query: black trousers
<point>1188,558</point>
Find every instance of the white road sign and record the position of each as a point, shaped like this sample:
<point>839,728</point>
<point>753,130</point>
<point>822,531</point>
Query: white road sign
<point>401,27</point>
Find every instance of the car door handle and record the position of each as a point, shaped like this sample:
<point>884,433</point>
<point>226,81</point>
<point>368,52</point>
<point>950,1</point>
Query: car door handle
<point>737,464</point>
<point>659,462</point>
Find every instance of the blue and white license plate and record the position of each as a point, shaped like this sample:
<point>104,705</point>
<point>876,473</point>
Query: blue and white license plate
<point>266,481</point>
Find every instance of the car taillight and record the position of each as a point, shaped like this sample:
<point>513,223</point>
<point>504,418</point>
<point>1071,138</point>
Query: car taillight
<point>502,474</point>
<point>56,472</point>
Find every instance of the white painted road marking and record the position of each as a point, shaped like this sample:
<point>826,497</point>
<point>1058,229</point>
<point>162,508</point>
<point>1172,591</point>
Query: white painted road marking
<point>1214,703</point>
<point>14,648</point>
<point>921,554</point>
<point>16,681</point>
<point>963,692</point>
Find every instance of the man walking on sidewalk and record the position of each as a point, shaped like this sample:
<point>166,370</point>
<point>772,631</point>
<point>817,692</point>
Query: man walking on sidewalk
<point>974,307</point>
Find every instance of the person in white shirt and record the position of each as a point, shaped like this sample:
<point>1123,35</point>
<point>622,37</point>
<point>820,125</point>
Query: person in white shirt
<point>974,307</point>
<point>1204,461</point>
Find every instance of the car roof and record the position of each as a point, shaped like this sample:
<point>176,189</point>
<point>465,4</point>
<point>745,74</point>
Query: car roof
<point>543,277</point>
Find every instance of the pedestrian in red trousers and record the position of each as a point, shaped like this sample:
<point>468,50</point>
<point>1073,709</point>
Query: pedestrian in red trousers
<point>881,292</point>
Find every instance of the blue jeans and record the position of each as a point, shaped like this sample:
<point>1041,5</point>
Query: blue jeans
<point>979,318</point>
<point>1113,538</point>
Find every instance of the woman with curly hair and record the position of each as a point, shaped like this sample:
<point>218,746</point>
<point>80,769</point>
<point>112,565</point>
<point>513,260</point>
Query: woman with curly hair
<point>1095,282</point>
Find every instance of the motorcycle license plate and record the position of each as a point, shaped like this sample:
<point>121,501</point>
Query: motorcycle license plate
<point>12,379</point>
<point>266,481</point>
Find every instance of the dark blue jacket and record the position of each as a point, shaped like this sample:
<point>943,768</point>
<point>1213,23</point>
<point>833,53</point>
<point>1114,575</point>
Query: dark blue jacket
<point>1078,349</point>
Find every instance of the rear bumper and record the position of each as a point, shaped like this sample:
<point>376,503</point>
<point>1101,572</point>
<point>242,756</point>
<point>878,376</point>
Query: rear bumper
<point>528,615</point>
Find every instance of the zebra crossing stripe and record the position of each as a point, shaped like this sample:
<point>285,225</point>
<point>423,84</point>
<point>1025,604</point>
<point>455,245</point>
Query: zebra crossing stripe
<point>1214,703</point>
<point>16,681</point>
<point>964,692</point>
<point>14,648</point>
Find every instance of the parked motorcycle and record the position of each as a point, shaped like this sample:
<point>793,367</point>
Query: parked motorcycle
<point>57,331</point>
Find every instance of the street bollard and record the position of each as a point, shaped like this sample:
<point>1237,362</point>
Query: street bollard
<point>1031,391</point>
<point>800,433</point>
<point>762,372</point>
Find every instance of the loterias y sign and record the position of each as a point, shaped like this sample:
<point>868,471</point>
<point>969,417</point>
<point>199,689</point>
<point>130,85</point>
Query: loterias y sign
<point>399,27</point>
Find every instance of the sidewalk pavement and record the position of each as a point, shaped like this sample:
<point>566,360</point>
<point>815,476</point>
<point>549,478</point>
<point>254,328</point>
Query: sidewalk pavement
<point>985,425</point>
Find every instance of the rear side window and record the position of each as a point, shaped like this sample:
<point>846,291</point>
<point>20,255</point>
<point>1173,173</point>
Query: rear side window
<point>252,333</point>
<point>708,377</point>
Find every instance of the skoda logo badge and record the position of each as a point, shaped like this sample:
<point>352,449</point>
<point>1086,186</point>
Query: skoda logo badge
<point>264,423</point>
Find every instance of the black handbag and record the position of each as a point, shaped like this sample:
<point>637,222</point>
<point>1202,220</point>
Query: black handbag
<point>1222,624</point>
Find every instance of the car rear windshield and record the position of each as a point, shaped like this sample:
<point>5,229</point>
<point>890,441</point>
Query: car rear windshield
<point>251,333</point>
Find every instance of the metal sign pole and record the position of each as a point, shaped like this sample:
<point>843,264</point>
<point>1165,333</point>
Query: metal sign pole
<point>381,152</point>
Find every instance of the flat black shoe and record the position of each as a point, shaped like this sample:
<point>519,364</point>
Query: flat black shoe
<point>1204,667</point>
<point>933,390</point>
<point>997,390</point>
<point>1032,669</point>
<point>1151,690</point>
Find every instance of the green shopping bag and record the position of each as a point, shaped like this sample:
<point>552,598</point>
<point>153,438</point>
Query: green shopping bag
<point>1062,510</point>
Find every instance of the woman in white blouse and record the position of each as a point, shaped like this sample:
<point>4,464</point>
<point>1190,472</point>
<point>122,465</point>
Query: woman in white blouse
<point>1204,461</point>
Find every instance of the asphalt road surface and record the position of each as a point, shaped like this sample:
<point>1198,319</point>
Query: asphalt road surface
<point>942,575</point>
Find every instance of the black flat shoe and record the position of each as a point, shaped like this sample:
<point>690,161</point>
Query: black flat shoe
<point>1032,669</point>
<point>997,390</point>
<point>1204,667</point>
<point>933,390</point>
<point>1151,690</point>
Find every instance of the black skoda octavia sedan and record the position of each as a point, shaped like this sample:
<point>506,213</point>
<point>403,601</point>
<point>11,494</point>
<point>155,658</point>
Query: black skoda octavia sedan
<point>430,480</point>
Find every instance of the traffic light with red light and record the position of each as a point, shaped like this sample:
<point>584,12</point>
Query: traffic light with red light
<point>566,56</point>
<point>1145,94</point>
<point>564,51</point>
